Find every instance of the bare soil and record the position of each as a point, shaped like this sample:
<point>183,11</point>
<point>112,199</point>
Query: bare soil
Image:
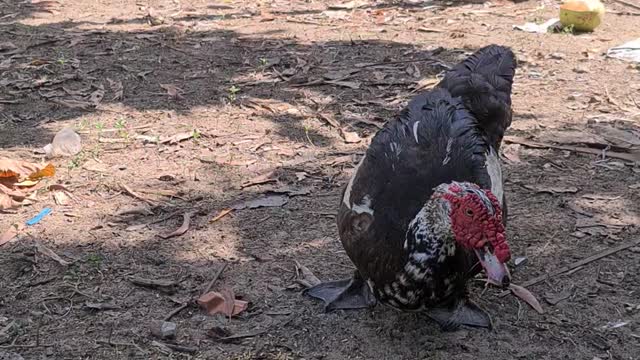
<point>282,97</point>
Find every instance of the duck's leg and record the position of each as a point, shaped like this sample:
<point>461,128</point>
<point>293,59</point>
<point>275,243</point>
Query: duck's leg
<point>461,312</point>
<point>353,293</point>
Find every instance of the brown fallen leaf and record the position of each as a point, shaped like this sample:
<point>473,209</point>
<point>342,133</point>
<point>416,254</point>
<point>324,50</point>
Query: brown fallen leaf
<point>223,302</point>
<point>526,296</point>
<point>350,137</point>
<point>259,180</point>
<point>11,233</point>
<point>51,254</point>
<point>186,219</point>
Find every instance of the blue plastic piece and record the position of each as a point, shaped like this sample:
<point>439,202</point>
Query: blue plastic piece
<point>36,219</point>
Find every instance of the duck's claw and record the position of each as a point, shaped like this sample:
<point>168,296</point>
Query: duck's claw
<point>464,312</point>
<point>351,293</point>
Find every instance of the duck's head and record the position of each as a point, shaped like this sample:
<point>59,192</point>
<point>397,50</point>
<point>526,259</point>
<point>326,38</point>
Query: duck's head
<point>476,224</point>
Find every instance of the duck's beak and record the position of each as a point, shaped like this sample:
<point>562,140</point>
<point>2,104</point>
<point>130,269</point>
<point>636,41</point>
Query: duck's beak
<point>497,272</point>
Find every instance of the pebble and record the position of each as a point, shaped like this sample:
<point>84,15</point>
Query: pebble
<point>164,329</point>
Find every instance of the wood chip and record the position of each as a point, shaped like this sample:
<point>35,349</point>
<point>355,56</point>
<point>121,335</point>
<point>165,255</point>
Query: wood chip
<point>51,254</point>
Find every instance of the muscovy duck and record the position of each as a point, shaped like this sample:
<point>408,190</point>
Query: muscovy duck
<point>425,209</point>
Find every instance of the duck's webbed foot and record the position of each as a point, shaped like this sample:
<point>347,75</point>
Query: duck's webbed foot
<point>460,312</point>
<point>353,293</point>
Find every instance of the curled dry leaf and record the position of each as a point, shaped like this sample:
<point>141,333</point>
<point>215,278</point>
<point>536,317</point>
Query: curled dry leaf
<point>223,302</point>
<point>526,296</point>
<point>186,219</point>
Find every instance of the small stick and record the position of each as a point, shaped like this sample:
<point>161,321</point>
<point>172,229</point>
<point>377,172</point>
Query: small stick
<point>177,310</point>
<point>576,264</point>
<point>215,278</point>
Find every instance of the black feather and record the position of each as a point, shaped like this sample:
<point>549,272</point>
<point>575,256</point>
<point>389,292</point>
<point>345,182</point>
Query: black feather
<point>483,81</point>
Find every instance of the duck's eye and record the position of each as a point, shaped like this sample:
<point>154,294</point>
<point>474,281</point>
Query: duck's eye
<point>469,212</point>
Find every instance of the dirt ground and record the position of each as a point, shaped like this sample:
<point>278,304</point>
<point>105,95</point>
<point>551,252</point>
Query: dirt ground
<point>276,101</point>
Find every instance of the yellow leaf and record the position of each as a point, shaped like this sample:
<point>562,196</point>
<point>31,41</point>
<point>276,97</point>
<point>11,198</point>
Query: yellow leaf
<point>47,171</point>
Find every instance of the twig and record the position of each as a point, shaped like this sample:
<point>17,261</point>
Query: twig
<point>176,311</point>
<point>248,334</point>
<point>175,347</point>
<point>633,157</point>
<point>136,195</point>
<point>576,264</point>
<point>114,343</point>
<point>631,5</point>
<point>215,278</point>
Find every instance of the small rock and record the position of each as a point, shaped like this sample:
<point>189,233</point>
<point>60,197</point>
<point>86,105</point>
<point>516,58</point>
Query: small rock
<point>557,56</point>
<point>164,329</point>
<point>520,261</point>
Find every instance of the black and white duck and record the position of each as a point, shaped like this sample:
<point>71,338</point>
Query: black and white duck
<point>425,209</point>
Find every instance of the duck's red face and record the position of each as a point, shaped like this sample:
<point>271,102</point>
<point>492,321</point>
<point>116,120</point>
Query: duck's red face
<point>476,222</point>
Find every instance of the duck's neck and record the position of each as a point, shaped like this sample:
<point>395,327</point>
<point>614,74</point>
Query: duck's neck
<point>429,239</point>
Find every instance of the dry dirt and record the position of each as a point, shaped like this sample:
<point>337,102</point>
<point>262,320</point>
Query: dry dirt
<point>248,84</point>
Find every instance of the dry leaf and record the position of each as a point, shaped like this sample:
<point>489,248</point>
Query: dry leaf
<point>116,87</point>
<point>61,198</point>
<point>172,90</point>
<point>305,277</point>
<point>47,171</point>
<point>11,233</point>
<point>96,97</point>
<point>351,137</point>
<point>348,5</point>
<point>348,84</point>
<point>266,201</point>
<point>186,219</point>
<point>174,139</point>
<point>75,104</point>
<point>222,302</point>
<point>526,296</point>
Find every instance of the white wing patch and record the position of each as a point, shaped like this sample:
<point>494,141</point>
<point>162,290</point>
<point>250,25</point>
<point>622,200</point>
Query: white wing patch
<point>447,156</point>
<point>364,206</point>
<point>495,173</point>
<point>347,193</point>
